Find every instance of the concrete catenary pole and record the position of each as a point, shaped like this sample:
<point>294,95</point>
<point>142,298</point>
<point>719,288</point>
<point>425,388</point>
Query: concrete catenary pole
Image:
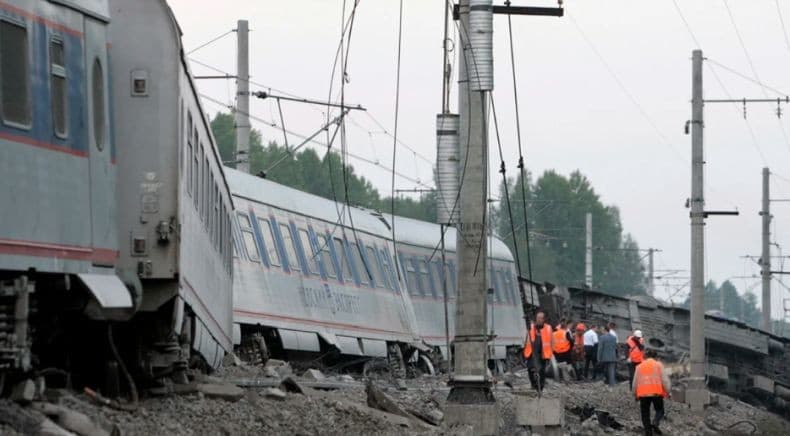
<point>471,401</point>
<point>651,281</point>
<point>697,395</point>
<point>765,258</point>
<point>588,255</point>
<point>243,97</point>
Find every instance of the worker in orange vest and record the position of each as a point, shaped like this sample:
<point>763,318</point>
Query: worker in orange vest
<point>539,338</point>
<point>636,347</point>
<point>563,340</point>
<point>651,385</point>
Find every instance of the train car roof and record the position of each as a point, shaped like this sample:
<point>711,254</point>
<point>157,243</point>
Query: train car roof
<point>407,230</point>
<point>426,234</point>
<point>271,193</point>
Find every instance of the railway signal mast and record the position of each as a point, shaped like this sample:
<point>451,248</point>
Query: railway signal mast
<point>471,401</point>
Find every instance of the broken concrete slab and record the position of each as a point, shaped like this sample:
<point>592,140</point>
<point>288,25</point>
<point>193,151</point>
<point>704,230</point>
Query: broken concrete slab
<point>540,411</point>
<point>274,393</point>
<point>483,418</point>
<point>49,428</point>
<point>377,399</point>
<point>24,392</point>
<point>71,420</point>
<point>282,367</point>
<point>314,375</point>
<point>226,392</point>
<point>270,372</point>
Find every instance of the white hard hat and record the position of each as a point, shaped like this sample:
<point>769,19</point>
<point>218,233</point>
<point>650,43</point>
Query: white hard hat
<point>638,333</point>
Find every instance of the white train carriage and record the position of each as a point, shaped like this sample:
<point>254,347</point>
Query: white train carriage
<point>305,278</point>
<point>174,203</point>
<point>58,229</point>
<point>418,252</point>
<point>310,281</point>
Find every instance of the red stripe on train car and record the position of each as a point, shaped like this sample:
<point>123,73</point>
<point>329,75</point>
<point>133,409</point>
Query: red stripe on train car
<point>60,251</point>
<point>49,23</point>
<point>42,144</point>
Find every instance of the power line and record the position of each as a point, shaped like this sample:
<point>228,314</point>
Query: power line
<point>314,141</point>
<point>782,21</point>
<point>211,41</point>
<point>757,81</point>
<point>625,90</point>
<point>395,129</point>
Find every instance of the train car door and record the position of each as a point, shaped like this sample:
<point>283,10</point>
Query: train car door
<point>102,179</point>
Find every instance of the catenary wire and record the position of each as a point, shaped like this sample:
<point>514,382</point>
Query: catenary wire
<point>211,41</point>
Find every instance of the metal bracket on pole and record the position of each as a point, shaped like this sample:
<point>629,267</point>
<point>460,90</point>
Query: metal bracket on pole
<point>520,10</point>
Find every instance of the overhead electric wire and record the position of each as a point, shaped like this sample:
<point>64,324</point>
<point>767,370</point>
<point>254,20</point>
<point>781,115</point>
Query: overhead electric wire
<point>782,21</point>
<point>211,41</point>
<point>756,77</point>
<point>521,166</point>
<point>624,89</point>
<point>316,142</point>
<point>395,134</point>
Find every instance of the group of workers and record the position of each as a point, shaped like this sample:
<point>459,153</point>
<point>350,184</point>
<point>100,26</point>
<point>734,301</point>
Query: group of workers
<point>596,347</point>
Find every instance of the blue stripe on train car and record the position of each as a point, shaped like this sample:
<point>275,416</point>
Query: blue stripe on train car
<point>319,259</point>
<point>256,230</point>
<point>278,237</point>
<point>41,132</point>
<point>297,241</point>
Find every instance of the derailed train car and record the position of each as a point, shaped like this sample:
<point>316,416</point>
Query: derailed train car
<point>306,280</point>
<point>742,361</point>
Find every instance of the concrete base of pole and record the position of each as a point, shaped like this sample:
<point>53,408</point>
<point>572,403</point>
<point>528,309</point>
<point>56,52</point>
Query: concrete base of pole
<point>473,406</point>
<point>542,415</point>
<point>697,399</point>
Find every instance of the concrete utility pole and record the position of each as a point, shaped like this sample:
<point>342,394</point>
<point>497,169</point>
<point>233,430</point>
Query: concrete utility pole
<point>651,284</point>
<point>697,395</point>
<point>588,271</point>
<point>243,97</point>
<point>765,258</point>
<point>471,401</point>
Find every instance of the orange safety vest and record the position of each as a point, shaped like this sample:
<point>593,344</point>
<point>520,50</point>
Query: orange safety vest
<point>634,353</point>
<point>647,380</point>
<point>561,342</point>
<point>545,337</point>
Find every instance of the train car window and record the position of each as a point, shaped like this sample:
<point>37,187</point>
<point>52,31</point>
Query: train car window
<point>363,269</point>
<point>453,277</point>
<point>195,173</point>
<point>97,86</point>
<point>412,278</point>
<point>379,276</point>
<point>268,241</point>
<point>389,270</point>
<point>58,86</point>
<point>216,226</point>
<point>14,74</point>
<point>437,267</point>
<point>326,256</point>
<point>200,191</point>
<point>249,237</point>
<point>309,252</point>
<point>496,283</point>
<point>290,248</point>
<point>206,191</point>
<point>427,278</point>
<point>188,157</point>
<point>510,284</point>
<point>342,258</point>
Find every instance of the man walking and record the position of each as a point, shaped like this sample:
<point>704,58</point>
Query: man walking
<point>607,356</point>
<point>577,351</point>
<point>636,346</point>
<point>538,339</point>
<point>562,342</point>
<point>651,386</point>
<point>591,350</point>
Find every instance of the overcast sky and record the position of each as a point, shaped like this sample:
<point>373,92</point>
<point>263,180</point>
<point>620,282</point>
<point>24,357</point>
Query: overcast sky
<point>605,90</point>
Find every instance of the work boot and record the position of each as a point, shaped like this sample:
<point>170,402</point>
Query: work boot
<point>649,431</point>
<point>656,430</point>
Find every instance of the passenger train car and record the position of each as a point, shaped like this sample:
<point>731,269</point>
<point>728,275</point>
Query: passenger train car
<point>58,215</point>
<point>174,203</point>
<point>307,280</point>
<point>113,204</point>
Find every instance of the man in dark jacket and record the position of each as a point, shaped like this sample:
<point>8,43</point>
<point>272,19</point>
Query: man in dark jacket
<point>607,356</point>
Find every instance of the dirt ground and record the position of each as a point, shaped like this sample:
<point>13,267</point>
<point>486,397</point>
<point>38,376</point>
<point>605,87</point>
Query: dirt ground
<point>345,411</point>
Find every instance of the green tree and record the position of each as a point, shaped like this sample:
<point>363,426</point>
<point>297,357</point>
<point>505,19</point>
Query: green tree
<point>556,209</point>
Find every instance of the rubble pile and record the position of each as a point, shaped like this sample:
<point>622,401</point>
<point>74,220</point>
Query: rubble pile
<point>276,401</point>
